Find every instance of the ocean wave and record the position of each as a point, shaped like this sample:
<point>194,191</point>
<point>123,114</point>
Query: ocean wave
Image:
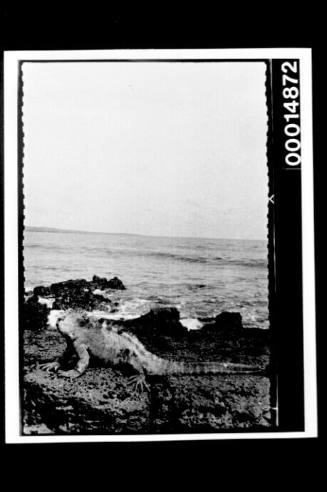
<point>177,256</point>
<point>118,252</point>
<point>195,287</point>
<point>247,262</point>
<point>47,247</point>
<point>214,260</point>
<point>251,263</point>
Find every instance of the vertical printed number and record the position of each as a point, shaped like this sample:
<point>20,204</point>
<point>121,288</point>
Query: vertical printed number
<point>291,105</point>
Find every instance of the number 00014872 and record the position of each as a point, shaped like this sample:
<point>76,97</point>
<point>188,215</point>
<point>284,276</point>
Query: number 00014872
<point>291,104</point>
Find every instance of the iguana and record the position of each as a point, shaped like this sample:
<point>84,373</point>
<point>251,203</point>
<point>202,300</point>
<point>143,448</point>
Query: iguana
<point>86,335</point>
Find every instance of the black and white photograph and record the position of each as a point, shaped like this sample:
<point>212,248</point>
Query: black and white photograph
<point>147,270</point>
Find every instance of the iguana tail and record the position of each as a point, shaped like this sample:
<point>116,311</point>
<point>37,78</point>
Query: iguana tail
<point>163,366</point>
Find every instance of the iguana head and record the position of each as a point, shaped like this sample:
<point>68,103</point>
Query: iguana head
<point>70,321</point>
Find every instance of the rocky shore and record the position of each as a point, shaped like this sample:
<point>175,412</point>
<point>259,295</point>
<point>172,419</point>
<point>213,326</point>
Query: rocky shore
<point>101,402</point>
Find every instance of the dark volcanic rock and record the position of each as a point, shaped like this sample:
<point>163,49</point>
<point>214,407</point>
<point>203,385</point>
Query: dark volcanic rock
<point>80,285</point>
<point>73,294</point>
<point>231,321</point>
<point>60,288</point>
<point>226,322</point>
<point>70,294</point>
<point>101,402</point>
<point>98,282</point>
<point>115,283</point>
<point>159,321</point>
<point>35,315</point>
<point>103,283</point>
<point>79,293</point>
<point>227,333</point>
<point>42,291</point>
<point>83,299</point>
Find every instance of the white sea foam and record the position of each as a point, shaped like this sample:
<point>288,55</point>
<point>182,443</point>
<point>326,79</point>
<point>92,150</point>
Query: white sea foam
<point>52,318</point>
<point>47,302</point>
<point>127,309</point>
<point>103,293</point>
<point>191,323</point>
<point>134,308</point>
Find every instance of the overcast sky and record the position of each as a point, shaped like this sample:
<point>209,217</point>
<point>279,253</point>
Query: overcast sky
<point>149,148</point>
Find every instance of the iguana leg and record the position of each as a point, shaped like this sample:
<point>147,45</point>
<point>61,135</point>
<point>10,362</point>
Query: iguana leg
<point>82,363</point>
<point>138,383</point>
<point>60,361</point>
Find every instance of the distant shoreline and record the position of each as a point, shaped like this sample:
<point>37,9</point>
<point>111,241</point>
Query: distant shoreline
<point>73,231</point>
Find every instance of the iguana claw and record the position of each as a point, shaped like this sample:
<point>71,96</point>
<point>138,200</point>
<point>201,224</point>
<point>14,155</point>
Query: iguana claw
<point>50,366</point>
<point>138,383</point>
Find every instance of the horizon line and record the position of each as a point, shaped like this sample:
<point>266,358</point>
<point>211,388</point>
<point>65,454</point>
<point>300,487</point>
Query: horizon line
<point>79,231</point>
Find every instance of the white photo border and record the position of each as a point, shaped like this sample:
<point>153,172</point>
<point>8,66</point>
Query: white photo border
<point>11,85</point>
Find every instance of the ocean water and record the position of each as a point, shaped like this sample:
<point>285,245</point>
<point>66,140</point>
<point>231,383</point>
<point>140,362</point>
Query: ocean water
<point>201,277</point>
